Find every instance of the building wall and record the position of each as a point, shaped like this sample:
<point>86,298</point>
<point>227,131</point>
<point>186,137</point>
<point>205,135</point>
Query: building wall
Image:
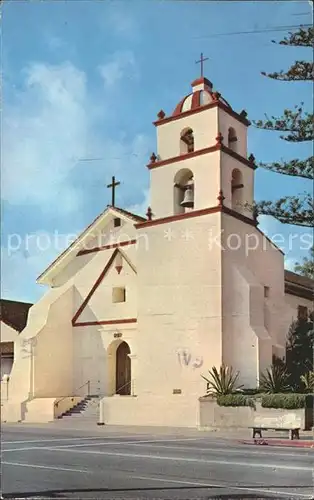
<point>252,323</point>
<point>8,334</point>
<point>7,337</point>
<point>246,197</point>
<point>95,356</point>
<point>52,356</point>
<point>293,301</point>
<point>101,307</point>
<point>179,307</point>
<point>225,121</point>
<point>205,130</point>
<point>206,173</point>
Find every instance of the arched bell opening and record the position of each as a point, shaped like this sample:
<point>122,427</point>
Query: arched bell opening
<point>184,191</point>
<point>186,141</point>
<point>232,139</point>
<point>237,186</point>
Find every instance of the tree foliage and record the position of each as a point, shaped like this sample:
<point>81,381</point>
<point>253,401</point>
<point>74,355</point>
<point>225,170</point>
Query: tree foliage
<point>307,267</point>
<point>296,126</point>
<point>299,351</point>
<point>296,210</point>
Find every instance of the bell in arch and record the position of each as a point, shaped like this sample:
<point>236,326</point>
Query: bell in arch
<point>188,200</point>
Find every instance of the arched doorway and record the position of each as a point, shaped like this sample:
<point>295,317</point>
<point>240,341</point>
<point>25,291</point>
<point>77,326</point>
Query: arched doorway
<point>123,370</point>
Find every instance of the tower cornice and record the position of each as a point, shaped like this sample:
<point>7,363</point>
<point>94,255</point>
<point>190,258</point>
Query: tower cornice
<point>216,104</point>
<point>193,154</point>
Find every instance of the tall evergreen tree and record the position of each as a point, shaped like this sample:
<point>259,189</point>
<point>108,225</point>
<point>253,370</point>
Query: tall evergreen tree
<point>297,127</point>
<point>299,351</point>
<point>307,267</point>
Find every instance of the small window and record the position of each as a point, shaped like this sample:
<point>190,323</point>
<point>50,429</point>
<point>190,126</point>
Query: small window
<point>302,312</point>
<point>117,222</point>
<point>266,291</point>
<point>118,294</point>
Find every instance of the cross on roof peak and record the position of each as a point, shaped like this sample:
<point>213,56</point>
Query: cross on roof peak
<point>201,62</point>
<point>113,186</point>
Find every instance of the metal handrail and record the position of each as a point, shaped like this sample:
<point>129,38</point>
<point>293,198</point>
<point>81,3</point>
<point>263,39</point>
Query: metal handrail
<point>77,389</point>
<point>124,385</point>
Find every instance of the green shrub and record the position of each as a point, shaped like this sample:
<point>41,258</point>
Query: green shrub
<point>235,400</point>
<point>287,401</point>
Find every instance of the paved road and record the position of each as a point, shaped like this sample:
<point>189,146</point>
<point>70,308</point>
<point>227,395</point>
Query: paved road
<point>64,463</point>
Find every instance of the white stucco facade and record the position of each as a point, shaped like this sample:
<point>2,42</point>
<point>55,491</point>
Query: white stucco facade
<point>185,290</point>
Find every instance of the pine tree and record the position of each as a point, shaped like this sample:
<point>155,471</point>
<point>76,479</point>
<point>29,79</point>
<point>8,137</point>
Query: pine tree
<point>299,351</point>
<point>307,267</point>
<point>297,127</point>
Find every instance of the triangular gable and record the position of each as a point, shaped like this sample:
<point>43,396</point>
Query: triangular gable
<point>67,255</point>
<point>108,266</point>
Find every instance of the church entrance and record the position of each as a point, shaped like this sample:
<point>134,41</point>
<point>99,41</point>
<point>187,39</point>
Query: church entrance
<point>123,370</point>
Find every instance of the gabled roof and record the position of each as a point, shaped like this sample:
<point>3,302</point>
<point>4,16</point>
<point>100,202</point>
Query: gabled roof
<point>99,280</point>
<point>67,255</point>
<point>14,314</point>
<point>136,218</point>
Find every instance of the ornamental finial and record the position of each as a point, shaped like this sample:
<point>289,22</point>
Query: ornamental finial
<point>149,214</point>
<point>219,138</point>
<point>220,198</point>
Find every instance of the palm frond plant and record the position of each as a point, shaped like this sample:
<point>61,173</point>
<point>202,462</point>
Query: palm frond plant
<point>275,380</point>
<point>308,381</point>
<point>223,381</point>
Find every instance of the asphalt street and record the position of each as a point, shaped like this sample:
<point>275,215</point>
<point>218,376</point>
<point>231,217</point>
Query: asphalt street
<point>54,463</point>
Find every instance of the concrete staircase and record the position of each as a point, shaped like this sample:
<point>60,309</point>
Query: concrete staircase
<point>85,410</point>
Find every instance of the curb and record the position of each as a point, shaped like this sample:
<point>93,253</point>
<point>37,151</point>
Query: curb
<point>280,442</point>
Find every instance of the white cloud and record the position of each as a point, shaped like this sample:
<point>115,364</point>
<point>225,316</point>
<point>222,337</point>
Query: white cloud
<point>269,225</point>
<point>121,65</point>
<point>141,208</point>
<point>290,263</point>
<point>24,259</point>
<point>120,20</point>
<point>45,128</point>
<point>49,122</point>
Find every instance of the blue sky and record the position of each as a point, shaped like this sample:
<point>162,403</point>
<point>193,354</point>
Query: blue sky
<point>86,80</point>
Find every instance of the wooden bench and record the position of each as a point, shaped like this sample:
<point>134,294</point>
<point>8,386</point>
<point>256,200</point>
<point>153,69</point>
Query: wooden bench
<point>290,423</point>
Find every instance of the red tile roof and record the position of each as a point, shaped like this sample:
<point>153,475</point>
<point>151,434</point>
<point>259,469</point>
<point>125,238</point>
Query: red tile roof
<point>298,285</point>
<point>14,313</point>
<point>135,217</point>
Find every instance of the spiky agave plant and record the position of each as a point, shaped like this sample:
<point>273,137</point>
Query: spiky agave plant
<point>223,381</point>
<point>308,381</point>
<point>275,380</point>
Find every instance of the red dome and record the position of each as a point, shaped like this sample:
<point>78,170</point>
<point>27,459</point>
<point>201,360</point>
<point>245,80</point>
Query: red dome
<point>202,95</point>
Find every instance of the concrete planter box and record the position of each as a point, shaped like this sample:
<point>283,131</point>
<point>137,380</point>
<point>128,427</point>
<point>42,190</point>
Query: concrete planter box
<point>213,416</point>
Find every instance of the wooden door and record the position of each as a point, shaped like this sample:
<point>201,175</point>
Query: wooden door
<point>123,370</point>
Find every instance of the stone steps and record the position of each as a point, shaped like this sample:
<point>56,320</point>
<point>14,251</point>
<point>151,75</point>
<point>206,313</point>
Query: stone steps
<point>87,409</point>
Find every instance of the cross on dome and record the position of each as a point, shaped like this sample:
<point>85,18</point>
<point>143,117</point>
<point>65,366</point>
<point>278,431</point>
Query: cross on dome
<point>201,62</point>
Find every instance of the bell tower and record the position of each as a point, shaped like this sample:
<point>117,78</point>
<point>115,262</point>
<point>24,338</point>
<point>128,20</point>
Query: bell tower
<point>201,152</point>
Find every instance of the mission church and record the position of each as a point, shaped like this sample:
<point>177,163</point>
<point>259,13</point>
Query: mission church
<point>139,308</point>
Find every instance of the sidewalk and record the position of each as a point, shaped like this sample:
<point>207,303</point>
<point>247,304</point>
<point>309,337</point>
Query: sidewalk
<point>273,438</point>
<point>304,442</point>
